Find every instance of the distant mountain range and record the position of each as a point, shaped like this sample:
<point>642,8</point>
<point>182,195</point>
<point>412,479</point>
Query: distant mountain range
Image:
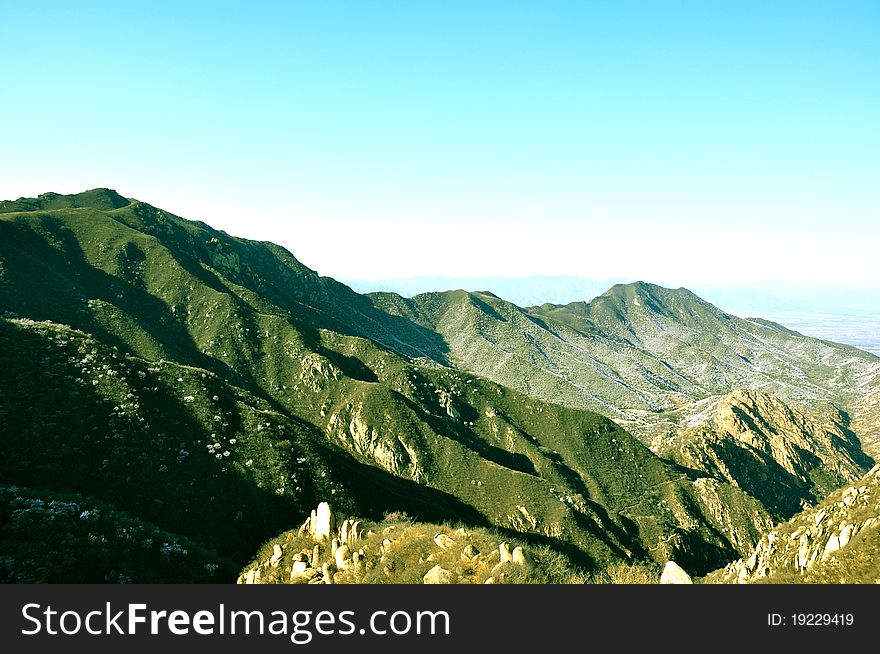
<point>533,290</point>
<point>638,353</point>
<point>192,394</point>
<point>846,315</point>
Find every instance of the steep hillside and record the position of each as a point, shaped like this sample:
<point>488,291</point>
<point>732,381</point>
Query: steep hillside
<point>785,456</point>
<point>217,388</point>
<point>837,541</point>
<point>637,353</point>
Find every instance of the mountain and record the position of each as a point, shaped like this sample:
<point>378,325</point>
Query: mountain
<point>837,541</point>
<point>787,457</point>
<point>638,353</point>
<point>754,299</point>
<point>216,389</point>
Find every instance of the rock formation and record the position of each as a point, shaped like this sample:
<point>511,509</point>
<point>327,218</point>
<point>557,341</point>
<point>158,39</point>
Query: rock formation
<point>443,541</point>
<point>276,555</point>
<point>815,539</point>
<point>438,575</point>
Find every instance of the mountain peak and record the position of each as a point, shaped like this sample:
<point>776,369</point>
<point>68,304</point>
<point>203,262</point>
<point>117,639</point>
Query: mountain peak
<point>104,199</point>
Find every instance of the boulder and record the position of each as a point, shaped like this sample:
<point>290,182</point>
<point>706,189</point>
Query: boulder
<point>327,574</point>
<point>325,523</point>
<point>519,557</point>
<point>673,574</point>
<point>443,541</point>
<point>438,575</point>
<point>302,573</point>
<point>300,567</point>
<point>504,550</point>
<point>343,557</point>
<point>469,553</point>
<point>276,555</point>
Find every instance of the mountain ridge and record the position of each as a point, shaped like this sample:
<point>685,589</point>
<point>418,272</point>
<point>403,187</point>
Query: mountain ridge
<point>139,327</point>
<point>619,356</point>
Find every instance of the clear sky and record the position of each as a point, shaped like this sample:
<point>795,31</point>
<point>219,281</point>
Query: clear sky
<point>678,142</point>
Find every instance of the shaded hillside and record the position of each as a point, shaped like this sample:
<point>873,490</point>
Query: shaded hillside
<point>52,538</point>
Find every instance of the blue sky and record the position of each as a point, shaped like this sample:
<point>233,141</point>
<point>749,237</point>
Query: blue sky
<point>679,142</point>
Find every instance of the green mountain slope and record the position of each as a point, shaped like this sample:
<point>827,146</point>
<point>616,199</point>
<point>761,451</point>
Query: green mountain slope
<point>638,353</point>
<point>218,389</point>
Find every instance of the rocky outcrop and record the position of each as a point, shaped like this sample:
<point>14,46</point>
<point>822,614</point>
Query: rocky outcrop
<point>866,423</point>
<point>392,552</point>
<point>785,456</point>
<point>813,540</point>
<point>321,524</point>
<point>334,551</point>
<point>376,439</point>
